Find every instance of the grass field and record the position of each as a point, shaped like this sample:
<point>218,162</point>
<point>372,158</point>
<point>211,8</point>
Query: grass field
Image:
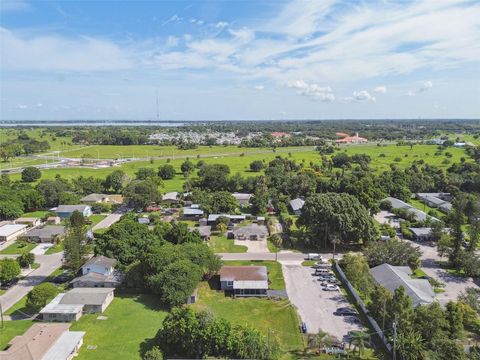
<point>275,275</point>
<point>12,329</point>
<point>274,318</point>
<point>96,218</point>
<point>220,244</point>
<point>18,248</point>
<point>131,325</point>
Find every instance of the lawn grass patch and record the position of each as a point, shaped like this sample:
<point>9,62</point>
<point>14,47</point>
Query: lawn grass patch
<point>54,249</point>
<point>274,318</point>
<point>20,308</point>
<point>275,274</point>
<point>131,325</point>
<point>220,244</point>
<point>11,329</point>
<point>39,214</point>
<point>308,263</point>
<point>18,248</point>
<point>96,218</point>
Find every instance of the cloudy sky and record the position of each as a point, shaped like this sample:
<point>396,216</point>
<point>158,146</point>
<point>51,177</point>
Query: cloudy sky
<point>234,60</point>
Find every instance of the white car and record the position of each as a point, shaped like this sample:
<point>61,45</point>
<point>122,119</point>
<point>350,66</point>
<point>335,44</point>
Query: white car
<point>331,287</point>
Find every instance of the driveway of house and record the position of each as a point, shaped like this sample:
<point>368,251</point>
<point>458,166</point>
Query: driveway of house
<point>259,246</point>
<point>111,219</point>
<point>453,285</point>
<point>314,305</point>
<point>40,249</point>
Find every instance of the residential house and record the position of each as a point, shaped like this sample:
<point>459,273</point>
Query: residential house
<point>421,234</point>
<point>98,272</point>
<point>250,232</point>
<point>400,204</point>
<point>205,231</point>
<point>297,205</point>
<point>235,219</point>
<point>44,342</point>
<point>144,220</point>
<point>170,197</point>
<point>100,265</point>
<point>65,211</point>
<point>53,220</point>
<point>70,306</point>
<point>445,207</point>
<point>242,198</point>
<point>30,221</point>
<point>442,201</point>
<point>102,198</point>
<point>244,281</point>
<point>192,213</point>
<point>392,277</point>
<point>11,231</point>
<point>46,234</point>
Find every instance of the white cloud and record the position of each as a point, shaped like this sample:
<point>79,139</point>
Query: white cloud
<point>427,85</point>
<point>410,93</point>
<point>46,53</point>
<point>380,89</point>
<point>221,24</point>
<point>363,95</point>
<point>173,19</point>
<point>313,91</point>
<point>259,87</point>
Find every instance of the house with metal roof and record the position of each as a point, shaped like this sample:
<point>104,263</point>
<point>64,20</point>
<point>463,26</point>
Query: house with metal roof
<point>297,205</point>
<point>244,281</point>
<point>392,277</point>
<point>44,342</point>
<point>170,197</point>
<point>400,204</point>
<point>421,234</point>
<point>192,213</point>
<point>11,232</point>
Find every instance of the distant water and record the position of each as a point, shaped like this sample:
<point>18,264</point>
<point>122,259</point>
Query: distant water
<point>70,123</point>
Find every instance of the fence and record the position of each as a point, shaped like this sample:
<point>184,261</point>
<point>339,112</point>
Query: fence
<point>371,321</point>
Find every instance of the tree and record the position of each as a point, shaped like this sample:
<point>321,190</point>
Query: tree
<point>457,220</point>
<point>221,227</point>
<point>430,321</point>
<point>393,252</point>
<point>115,180</point>
<point>9,270</point>
<point>409,345</point>
<point>216,202</point>
<point>41,295</point>
<point>31,174</point>
<point>153,354</point>
<point>10,209</point>
<point>471,297</point>
<point>166,172</point>
<point>454,319</point>
<point>325,215</point>
<point>187,167</point>
<point>400,308</point>
<point>356,270</point>
<point>145,173</point>
<point>276,240</point>
<point>74,245</point>
<point>214,177</point>
<point>257,165</point>
<point>26,259</point>
<point>140,193</point>
<point>378,308</point>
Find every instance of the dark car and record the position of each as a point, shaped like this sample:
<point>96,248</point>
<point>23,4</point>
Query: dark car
<point>345,311</point>
<point>303,328</point>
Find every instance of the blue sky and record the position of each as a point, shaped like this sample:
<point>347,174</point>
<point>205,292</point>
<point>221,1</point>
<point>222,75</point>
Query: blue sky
<point>235,60</point>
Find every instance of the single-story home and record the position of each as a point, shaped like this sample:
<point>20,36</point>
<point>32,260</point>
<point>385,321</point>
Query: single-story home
<point>446,207</point>
<point>212,218</point>
<point>48,233</point>
<point>44,342</point>
<point>242,198</point>
<point>244,281</point>
<point>12,231</point>
<point>205,231</point>
<point>434,199</point>
<point>421,234</point>
<point>30,221</point>
<point>392,277</point>
<point>400,204</point>
<point>65,211</point>
<point>297,205</point>
<point>53,220</point>
<point>70,306</point>
<point>170,197</point>
<point>251,232</point>
<point>102,198</point>
<point>99,272</point>
<point>192,213</point>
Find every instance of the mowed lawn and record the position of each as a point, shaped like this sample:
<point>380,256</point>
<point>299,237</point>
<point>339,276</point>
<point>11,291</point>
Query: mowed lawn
<point>18,248</point>
<point>220,244</point>
<point>131,325</point>
<point>12,329</point>
<point>270,317</point>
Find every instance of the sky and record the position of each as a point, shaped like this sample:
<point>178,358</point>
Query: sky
<point>239,60</point>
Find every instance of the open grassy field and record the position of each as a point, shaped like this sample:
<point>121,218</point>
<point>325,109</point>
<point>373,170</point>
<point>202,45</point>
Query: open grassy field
<point>275,275</point>
<point>220,244</point>
<point>131,325</point>
<point>274,318</point>
<point>11,329</point>
<point>40,134</point>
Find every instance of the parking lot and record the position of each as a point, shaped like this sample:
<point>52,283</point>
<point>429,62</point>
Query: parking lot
<point>316,306</point>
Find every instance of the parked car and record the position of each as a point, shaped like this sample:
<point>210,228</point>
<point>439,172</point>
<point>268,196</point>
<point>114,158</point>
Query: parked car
<point>331,287</point>
<point>303,328</point>
<point>321,265</point>
<point>354,319</point>
<point>323,271</point>
<point>314,256</point>
<point>345,311</point>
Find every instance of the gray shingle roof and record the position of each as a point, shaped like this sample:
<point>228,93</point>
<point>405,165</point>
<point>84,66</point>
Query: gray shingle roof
<point>297,204</point>
<point>100,261</point>
<point>46,231</point>
<point>86,296</point>
<point>71,208</point>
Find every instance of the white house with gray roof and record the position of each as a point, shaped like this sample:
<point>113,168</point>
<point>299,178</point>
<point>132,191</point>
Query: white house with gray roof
<point>400,204</point>
<point>297,205</point>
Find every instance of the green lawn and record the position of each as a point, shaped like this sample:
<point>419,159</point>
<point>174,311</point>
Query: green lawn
<point>96,218</point>
<point>425,208</point>
<point>132,322</point>
<point>278,318</point>
<point>220,244</point>
<point>18,248</point>
<point>39,213</point>
<point>54,249</point>
<point>20,308</point>
<point>275,274</point>
<point>12,329</point>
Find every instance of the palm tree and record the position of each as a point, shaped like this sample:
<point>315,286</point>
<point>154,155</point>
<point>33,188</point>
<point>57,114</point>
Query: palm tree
<point>277,241</point>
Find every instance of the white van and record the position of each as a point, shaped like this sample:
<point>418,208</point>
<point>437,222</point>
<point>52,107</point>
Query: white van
<point>314,256</point>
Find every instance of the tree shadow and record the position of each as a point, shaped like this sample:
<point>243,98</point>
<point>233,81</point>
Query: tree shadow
<point>148,343</point>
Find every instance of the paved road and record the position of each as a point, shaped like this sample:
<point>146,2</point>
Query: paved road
<point>283,255</point>
<point>453,285</point>
<point>314,305</point>
<point>111,219</point>
<point>48,264</point>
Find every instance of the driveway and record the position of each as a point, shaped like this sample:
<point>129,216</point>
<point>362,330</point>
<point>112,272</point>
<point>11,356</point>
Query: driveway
<point>41,248</point>
<point>453,285</point>
<point>314,305</point>
<point>253,246</point>
<point>111,219</point>
<point>48,264</point>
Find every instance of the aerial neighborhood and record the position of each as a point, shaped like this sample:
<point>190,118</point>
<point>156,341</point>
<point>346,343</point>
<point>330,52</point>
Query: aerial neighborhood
<point>267,247</point>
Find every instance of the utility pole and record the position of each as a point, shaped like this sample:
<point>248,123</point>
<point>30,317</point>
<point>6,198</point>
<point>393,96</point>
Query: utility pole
<point>395,338</point>
<point>1,313</point>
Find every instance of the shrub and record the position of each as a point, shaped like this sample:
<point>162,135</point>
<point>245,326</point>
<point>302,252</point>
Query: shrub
<point>41,295</point>
<point>31,174</point>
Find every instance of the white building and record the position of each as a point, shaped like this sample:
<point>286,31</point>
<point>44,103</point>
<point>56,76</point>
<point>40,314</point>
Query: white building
<point>11,232</point>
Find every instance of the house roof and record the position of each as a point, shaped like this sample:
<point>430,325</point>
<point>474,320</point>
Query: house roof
<point>27,219</point>
<point>392,277</point>
<point>71,208</point>
<point>214,217</point>
<point>35,342</point>
<point>446,206</point>
<point>86,296</point>
<point>243,273</point>
<point>251,229</point>
<point>297,204</point>
<point>399,204</point>
<point>423,231</point>
<point>192,211</point>
<point>94,197</point>
<point>56,307</point>
<point>170,196</point>
<point>100,261</point>
<point>241,196</point>
<point>10,229</point>
<point>97,278</point>
<point>64,346</point>
<point>46,231</point>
